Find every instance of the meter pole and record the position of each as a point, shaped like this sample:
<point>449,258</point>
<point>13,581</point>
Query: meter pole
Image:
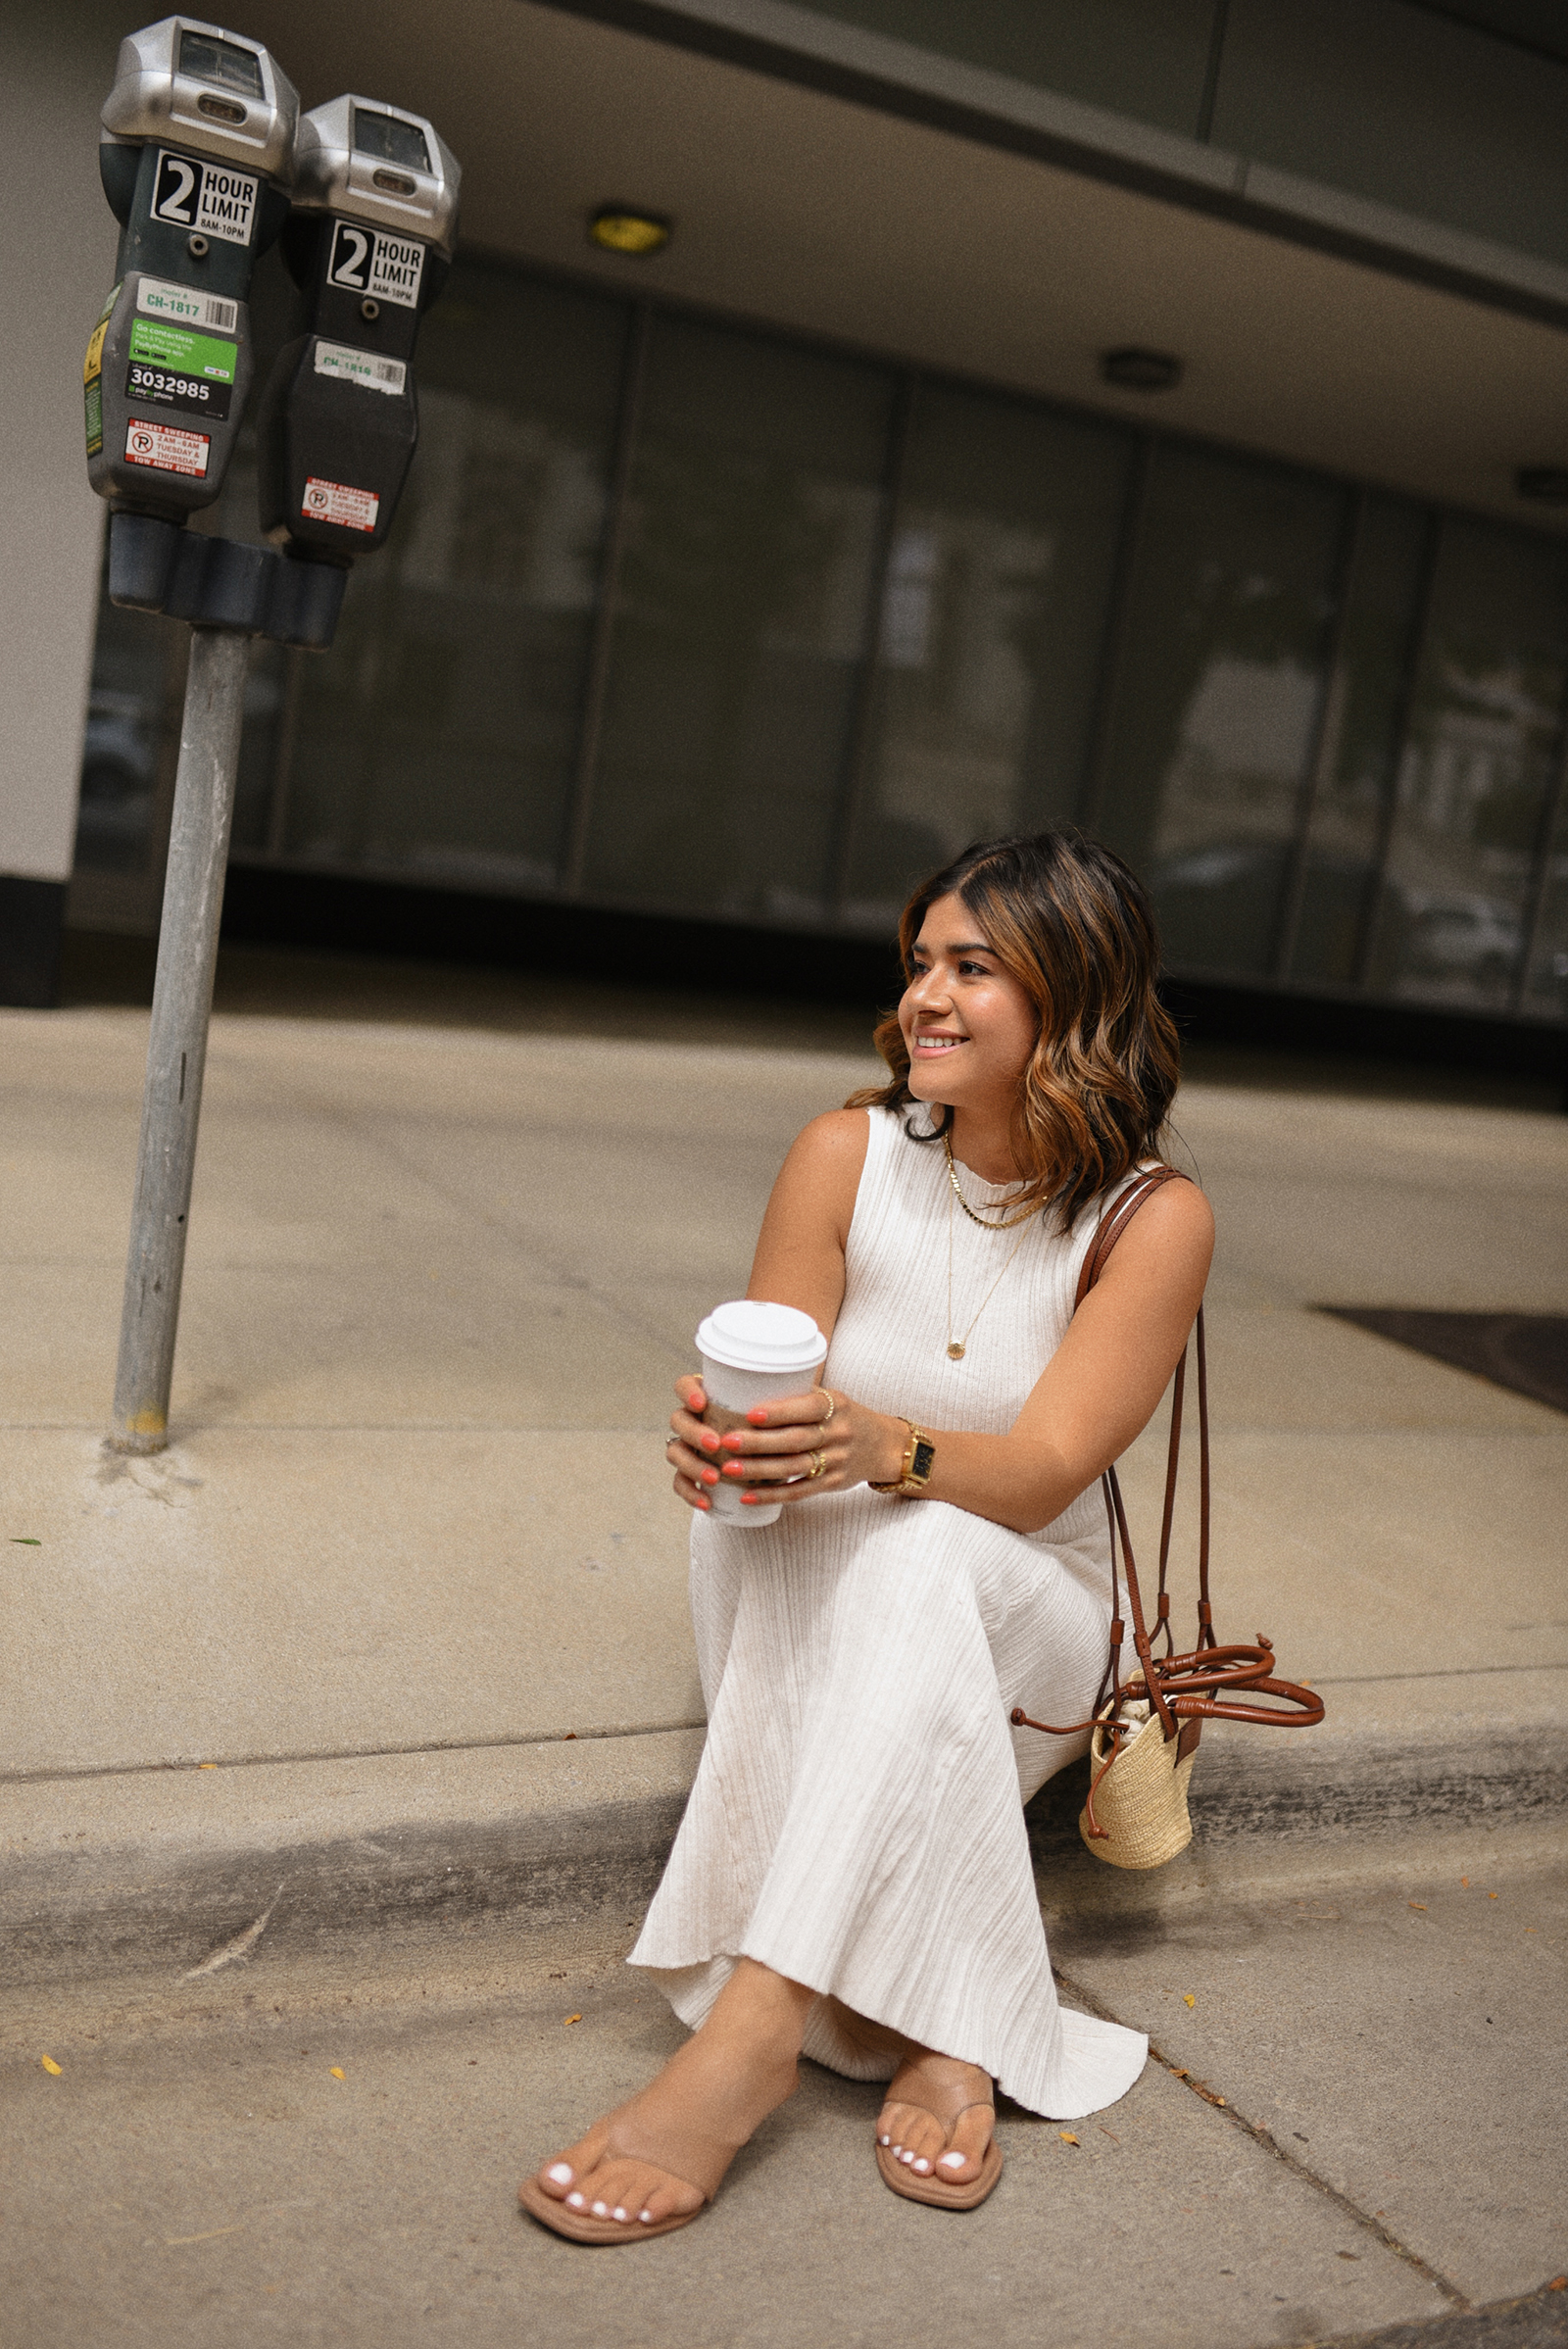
<point>177,1050</point>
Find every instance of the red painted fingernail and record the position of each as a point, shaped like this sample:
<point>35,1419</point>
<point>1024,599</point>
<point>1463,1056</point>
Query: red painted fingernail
<point>750,1499</point>
<point>703,1504</point>
<point>709,1441</point>
<point>733,1441</point>
<point>759,1416</point>
<point>708,1475</point>
<point>730,1468</point>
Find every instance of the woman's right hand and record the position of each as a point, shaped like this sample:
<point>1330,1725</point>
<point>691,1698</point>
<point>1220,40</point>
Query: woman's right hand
<point>691,1446</point>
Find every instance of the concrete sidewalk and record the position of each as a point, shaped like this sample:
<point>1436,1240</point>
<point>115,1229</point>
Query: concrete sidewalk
<point>400,1618</point>
<point>348,1736</point>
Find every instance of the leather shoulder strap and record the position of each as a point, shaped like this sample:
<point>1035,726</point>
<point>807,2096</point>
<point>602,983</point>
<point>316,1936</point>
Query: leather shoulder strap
<point>1117,1216</point>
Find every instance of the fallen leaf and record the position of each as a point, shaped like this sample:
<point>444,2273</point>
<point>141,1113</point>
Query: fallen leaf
<point>1188,1999</point>
<point>1558,2284</point>
<point>1465,1881</point>
<point>336,2072</point>
<point>1410,1904</point>
<point>1067,2137</point>
<point>51,2067</point>
<point>1346,2255</point>
<point>1491,1896</point>
<point>207,1765</point>
<point>27,1540</point>
<point>570,2019</point>
<point>1180,2072</point>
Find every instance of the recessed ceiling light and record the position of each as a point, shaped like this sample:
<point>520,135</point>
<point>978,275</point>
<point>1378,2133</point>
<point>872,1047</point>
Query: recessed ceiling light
<point>1548,484</point>
<point>1134,369</point>
<point>626,229</point>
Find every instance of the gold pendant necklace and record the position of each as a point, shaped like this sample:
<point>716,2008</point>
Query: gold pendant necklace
<point>959,1347</point>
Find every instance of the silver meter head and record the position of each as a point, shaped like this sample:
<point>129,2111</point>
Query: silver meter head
<point>362,159</point>
<point>203,88</point>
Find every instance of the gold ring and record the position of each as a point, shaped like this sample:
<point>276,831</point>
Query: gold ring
<point>831,1408</point>
<point>818,1463</point>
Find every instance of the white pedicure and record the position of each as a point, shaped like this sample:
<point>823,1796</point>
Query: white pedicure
<point>560,2173</point>
<point>647,2218</point>
<point>601,2210</point>
<point>922,2167</point>
<point>619,2213</point>
<point>577,2202</point>
<point>905,2157</point>
<point>952,2161</point>
<point>881,2140</point>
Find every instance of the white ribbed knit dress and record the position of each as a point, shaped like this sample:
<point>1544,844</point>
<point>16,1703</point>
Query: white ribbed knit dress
<point>857,1822</point>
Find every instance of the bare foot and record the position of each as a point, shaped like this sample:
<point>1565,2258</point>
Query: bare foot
<point>663,2154</point>
<point>938,2119</point>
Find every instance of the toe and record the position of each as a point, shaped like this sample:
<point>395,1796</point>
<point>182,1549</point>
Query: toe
<point>964,2150</point>
<point>911,2136</point>
<point>565,2172</point>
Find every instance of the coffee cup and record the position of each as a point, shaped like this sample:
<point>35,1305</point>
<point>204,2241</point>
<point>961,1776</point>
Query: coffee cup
<point>755,1354</point>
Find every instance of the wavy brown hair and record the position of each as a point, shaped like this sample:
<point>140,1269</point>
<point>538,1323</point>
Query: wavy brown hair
<point>1072,925</point>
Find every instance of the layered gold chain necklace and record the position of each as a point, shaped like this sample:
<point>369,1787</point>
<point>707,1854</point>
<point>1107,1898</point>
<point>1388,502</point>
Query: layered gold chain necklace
<point>957,1347</point>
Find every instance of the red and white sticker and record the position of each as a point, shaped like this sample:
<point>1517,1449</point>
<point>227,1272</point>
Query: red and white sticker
<point>334,502</point>
<point>166,448</point>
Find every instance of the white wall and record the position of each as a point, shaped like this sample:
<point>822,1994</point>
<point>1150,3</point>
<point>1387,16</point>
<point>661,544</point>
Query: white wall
<point>57,259</point>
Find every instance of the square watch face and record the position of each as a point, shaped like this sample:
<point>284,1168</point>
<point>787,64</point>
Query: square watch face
<point>920,1465</point>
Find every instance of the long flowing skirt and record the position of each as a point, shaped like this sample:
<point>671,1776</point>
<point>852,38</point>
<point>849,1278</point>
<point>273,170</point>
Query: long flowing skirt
<point>857,1822</point>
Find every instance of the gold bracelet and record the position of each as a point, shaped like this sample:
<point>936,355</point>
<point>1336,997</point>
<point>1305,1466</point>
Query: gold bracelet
<point>919,1454</point>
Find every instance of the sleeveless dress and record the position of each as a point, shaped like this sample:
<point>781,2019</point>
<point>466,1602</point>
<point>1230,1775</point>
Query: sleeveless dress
<point>856,1821</point>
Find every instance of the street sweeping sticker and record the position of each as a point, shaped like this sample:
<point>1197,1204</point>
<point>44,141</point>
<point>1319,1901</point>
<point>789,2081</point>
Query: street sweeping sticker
<point>362,368</point>
<point>186,306</point>
<point>334,502</point>
<point>207,197</point>
<point>166,448</point>
<point>366,261</point>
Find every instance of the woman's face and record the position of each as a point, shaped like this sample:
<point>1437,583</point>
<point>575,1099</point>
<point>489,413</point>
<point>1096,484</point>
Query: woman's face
<point>969,1026</point>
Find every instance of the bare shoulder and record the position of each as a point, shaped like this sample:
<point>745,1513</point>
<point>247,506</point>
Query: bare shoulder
<point>822,1171</point>
<point>832,1149</point>
<point>1173,1229</point>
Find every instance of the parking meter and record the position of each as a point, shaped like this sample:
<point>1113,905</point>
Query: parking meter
<point>368,244</point>
<point>196,160</point>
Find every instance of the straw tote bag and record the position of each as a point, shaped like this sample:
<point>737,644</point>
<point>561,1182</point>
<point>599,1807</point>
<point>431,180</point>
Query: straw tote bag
<point>1146,1729</point>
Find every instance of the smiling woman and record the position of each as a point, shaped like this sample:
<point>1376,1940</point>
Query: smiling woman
<point>851,1879</point>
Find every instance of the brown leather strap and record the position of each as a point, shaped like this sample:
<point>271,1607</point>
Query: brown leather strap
<point>1204,1684</point>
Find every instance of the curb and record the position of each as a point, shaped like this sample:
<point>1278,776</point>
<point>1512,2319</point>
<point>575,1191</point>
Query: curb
<point>174,1870</point>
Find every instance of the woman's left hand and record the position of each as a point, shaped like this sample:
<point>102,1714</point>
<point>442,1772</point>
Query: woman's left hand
<point>820,1441</point>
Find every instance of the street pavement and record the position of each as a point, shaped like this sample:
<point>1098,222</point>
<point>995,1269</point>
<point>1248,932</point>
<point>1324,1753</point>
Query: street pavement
<point>388,1655</point>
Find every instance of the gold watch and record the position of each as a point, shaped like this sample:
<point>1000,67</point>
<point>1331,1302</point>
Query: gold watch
<point>919,1455</point>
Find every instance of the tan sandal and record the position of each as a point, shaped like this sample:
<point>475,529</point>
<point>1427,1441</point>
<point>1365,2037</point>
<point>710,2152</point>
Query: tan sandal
<point>692,2158</point>
<point>937,2191</point>
<point>581,2226</point>
<point>940,2193</point>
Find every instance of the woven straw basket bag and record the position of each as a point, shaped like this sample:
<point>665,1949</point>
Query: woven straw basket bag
<point>1141,1804</point>
<point>1146,1729</point>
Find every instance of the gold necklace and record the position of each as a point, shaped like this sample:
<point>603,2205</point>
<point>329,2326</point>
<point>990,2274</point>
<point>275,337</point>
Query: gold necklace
<point>1006,1222</point>
<point>956,1347</point>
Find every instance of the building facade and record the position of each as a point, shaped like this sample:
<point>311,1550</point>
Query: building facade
<point>748,582</point>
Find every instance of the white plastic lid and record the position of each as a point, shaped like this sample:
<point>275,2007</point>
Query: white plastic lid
<point>749,1336</point>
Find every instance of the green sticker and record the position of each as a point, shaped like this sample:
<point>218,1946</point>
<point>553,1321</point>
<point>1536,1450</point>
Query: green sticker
<point>95,416</point>
<point>168,346</point>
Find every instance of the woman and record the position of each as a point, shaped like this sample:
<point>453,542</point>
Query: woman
<point>851,1879</point>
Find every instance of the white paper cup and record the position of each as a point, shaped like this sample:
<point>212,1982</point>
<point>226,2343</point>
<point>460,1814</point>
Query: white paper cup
<point>755,1354</point>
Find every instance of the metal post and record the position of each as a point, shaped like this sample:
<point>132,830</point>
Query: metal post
<point>177,1050</point>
